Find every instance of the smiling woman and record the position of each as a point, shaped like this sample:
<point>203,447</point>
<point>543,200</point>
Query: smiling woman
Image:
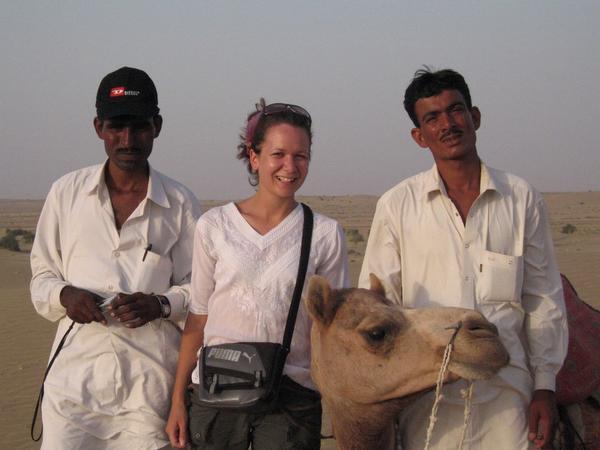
<point>282,164</point>
<point>260,121</point>
<point>244,271</point>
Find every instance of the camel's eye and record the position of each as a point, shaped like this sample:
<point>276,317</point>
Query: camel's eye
<point>379,336</point>
<point>376,334</point>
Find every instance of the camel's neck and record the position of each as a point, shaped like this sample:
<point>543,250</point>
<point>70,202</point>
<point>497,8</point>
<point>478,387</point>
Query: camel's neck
<point>367,427</point>
<point>363,430</point>
<point>358,439</point>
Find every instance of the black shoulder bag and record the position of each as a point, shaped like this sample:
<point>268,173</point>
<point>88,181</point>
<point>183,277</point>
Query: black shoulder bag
<point>245,376</point>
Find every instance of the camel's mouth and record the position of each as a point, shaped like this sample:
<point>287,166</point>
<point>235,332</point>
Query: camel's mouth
<point>483,332</point>
<point>478,353</point>
<point>480,370</point>
<point>406,400</point>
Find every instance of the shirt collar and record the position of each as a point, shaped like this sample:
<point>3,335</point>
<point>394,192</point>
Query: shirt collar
<point>491,182</point>
<point>433,182</point>
<point>96,181</point>
<point>156,190</point>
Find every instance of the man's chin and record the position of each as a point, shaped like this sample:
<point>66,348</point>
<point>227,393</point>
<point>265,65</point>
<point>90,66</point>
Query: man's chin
<point>132,165</point>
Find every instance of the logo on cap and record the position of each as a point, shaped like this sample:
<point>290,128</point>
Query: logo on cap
<point>117,91</point>
<point>120,92</point>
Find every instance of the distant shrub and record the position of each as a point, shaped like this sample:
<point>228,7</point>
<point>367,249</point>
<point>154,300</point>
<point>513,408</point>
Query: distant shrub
<point>10,242</point>
<point>11,239</point>
<point>354,235</point>
<point>26,236</point>
<point>568,229</point>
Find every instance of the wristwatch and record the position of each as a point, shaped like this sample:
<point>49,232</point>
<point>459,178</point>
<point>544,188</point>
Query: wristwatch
<point>165,306</point>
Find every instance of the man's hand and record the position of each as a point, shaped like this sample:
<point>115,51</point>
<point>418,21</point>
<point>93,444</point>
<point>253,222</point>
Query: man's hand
<point>135,310</point>
<point>81,305</point>
<point>543,417</point>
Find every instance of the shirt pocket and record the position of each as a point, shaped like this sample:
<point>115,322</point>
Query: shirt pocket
<point>153,275</point>
<point>500,277</point>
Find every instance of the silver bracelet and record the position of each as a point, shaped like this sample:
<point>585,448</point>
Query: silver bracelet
<point>165,306</point>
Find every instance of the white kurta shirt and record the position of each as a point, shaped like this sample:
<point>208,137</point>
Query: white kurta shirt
<point>244,281</point>
<point>109,379</point>
<point>500,263</point>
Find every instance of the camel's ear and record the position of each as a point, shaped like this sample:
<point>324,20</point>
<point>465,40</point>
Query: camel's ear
<point>318,300</point>
<point>376,285</point>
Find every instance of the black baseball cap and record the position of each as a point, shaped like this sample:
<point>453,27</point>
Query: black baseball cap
<point>126,92</point>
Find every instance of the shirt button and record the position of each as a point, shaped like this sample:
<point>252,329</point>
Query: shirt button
<point>466,279</point>
<point>467,245</point>
<point>116,253</point>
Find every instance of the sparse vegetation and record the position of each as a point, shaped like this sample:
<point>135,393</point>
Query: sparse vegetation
<point>354,235</point>
<point>568,229</point>
<point>26,236</point>
<point>11,239</point>
<point>10,242</point>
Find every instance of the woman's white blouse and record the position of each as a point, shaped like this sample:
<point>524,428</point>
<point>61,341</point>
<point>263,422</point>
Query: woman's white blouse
<point>244,280</point>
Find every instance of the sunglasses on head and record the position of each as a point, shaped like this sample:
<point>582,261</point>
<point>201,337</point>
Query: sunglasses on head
<point>275,108</point>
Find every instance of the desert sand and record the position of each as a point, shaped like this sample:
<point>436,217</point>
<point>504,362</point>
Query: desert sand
<point>25,337</point>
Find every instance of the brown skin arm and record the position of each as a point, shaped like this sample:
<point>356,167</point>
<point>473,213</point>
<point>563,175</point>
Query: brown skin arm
<point>81,305</point>
<point>135,310</point>
<point>543,417</point>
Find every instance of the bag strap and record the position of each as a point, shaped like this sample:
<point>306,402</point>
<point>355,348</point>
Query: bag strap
<point>41,394</point>
<point>304,254</point>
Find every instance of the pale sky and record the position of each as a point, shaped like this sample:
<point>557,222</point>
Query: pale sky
<point>533,68</point>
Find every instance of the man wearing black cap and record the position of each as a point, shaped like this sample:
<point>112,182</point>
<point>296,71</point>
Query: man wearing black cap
<point>112,255</point>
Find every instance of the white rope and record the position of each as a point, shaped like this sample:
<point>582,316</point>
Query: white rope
<point>467,395</point>
<point>438,391</point>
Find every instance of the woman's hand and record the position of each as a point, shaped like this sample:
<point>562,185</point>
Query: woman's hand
<point>177,426</point>
<point>191,340</point>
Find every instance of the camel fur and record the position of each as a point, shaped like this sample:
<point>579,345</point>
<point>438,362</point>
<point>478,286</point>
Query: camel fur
<point>371,358</point>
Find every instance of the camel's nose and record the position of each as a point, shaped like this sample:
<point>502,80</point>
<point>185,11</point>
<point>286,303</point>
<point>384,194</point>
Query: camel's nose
<point>477,325</point>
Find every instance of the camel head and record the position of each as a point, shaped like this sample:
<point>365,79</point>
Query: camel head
<point>371,357</point>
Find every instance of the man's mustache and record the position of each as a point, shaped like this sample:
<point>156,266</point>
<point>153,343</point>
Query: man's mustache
<point>128,151</point>
<point>454,131</point>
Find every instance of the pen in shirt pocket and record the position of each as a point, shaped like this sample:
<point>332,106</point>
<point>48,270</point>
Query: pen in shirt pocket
<point>146,250</point>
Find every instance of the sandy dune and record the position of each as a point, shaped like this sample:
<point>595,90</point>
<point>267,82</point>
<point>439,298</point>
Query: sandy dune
<point>25,338</point>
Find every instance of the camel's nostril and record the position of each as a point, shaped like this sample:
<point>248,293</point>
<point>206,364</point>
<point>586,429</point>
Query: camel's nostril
<point>481,332</point>
<point>481,329</point>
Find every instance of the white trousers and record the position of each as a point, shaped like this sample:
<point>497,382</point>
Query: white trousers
<point>60,433</point>
<point>499,424</point>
